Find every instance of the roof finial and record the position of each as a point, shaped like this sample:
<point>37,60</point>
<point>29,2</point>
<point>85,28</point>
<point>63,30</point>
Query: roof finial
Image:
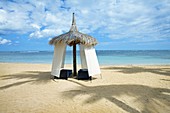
<point>73,21</point>
<point>73,27</point>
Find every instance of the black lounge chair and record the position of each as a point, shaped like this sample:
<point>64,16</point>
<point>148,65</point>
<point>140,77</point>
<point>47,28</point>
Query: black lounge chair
<point>83,75</point>
<point>65,73</point>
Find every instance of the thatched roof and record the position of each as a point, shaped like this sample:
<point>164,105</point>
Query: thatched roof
<point>74,37</point>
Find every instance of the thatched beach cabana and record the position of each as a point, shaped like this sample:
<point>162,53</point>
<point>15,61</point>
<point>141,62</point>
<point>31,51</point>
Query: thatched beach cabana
<point>87,52</point>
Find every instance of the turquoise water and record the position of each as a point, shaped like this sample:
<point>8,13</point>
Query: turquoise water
<point>105,57</point>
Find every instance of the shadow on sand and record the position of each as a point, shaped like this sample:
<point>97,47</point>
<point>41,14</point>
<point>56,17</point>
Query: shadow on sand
<point>138,69</point>
<point>150,98</point>
<point>35,77</point>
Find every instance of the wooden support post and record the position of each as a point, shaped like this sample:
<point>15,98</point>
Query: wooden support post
<point>74,60</point>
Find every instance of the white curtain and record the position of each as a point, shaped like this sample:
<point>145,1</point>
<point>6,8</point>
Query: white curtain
<point>58,58</point>
<point>82,57</point>
<point>64,54</point>
<point>92,61</point>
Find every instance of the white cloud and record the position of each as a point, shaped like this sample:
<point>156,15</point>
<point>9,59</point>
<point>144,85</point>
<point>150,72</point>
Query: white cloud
<point>45,33</point>
<point>37,27</point>
<point>4,41</point>
<point>113,19</point>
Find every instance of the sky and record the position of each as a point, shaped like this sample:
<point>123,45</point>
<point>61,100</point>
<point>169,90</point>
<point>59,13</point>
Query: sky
<point>116,24</point>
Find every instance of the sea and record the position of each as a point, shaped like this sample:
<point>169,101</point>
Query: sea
<point>105,57</point>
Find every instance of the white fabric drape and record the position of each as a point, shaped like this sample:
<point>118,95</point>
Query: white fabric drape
<point>88,59</point>
<point>64,54</point>
<point>58,59</point>
<point>82,57</point>
<point>92,61</point>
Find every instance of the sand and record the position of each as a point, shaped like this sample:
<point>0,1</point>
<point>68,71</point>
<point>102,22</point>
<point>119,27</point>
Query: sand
<point>28,88</point>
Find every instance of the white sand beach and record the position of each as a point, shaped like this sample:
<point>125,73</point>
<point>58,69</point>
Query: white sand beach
<point>28,88</point>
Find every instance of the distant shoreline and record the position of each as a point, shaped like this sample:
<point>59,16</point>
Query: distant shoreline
<point>105,57</point>
<point>78,50</point>
<point>79,65</point>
